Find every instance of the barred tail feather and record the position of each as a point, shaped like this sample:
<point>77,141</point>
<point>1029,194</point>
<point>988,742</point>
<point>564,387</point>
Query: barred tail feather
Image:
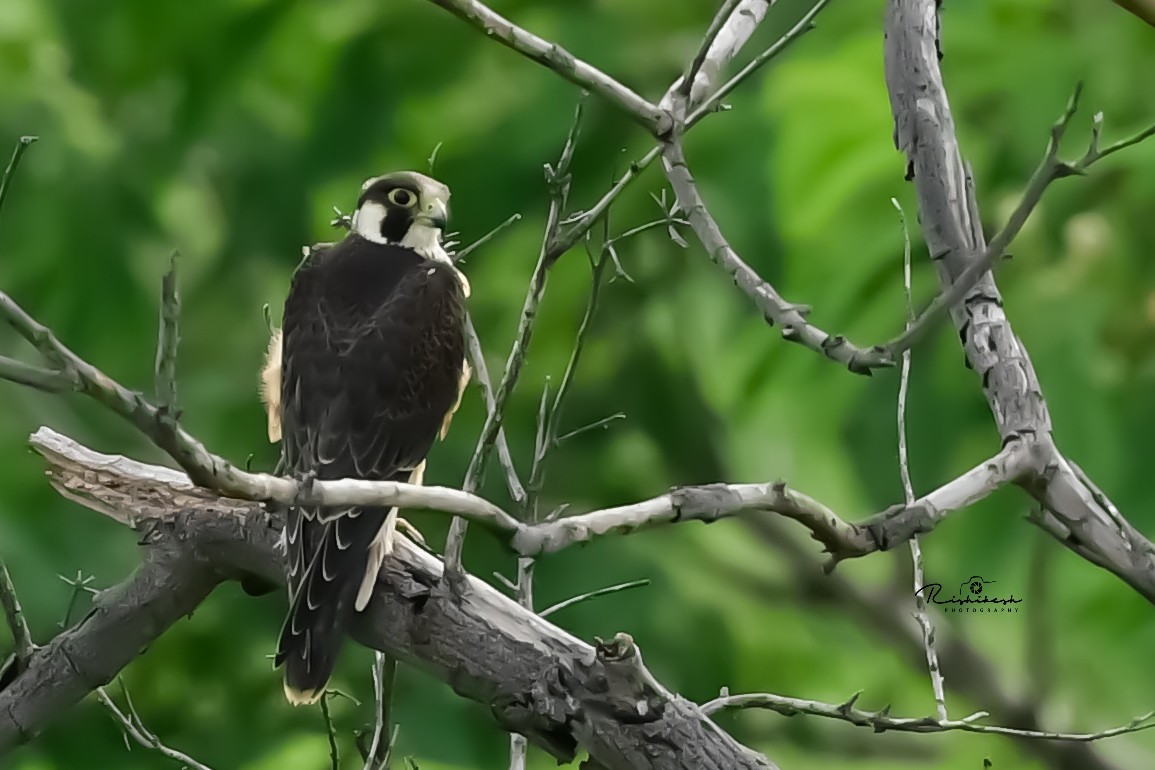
<point>312,636</point>
<point>323,602</point>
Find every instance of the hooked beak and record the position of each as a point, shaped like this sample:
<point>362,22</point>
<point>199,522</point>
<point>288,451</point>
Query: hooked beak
<point>436,214</point>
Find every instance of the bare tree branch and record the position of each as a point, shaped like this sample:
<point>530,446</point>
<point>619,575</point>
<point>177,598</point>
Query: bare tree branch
<point>650,116</point>
<point>558,180</point>
<point>134,728</point>
<point>593,595</point>
<point>881,721</point>
<point>481,371</point>
<point>776,310</point>
<point>920,613</point>
<point>968,672</point>
<point>22,146</point>
<point>168,341</point>
<point>1076,512</point>
<point>331,734</point>
<point>713,101</point>
<point>22,644</point>
<point>535,678</point>
<point>732,27</point>
<point>1050,169</point>
<point>384,735</point>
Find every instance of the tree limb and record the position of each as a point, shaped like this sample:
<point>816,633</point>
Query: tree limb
<point>881,720</point>
<point>776,310</point>
<point>535,678</point>
<point>551,55</point>
<point>1075,511</point>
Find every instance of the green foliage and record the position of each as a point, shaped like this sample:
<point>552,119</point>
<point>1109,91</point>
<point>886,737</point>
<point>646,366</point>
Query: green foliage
<point>228,129</point>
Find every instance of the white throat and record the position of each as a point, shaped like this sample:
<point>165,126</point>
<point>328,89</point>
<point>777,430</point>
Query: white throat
<point>422,238</point>
<point>426,241</point>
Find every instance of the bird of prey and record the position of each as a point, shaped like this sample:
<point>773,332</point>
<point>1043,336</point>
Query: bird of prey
<point>364,374</point>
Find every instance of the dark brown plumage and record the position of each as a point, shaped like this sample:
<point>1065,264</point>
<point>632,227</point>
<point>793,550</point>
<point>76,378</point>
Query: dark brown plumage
<point>372,357</point>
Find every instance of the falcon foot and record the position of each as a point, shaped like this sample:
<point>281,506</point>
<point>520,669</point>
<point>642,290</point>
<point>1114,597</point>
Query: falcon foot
<point>412,532</point>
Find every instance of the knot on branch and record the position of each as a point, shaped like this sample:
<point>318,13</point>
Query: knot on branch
<point>617,683</point>
<point>898,524</point>
<point>705,502</point>
<point>544,711</point>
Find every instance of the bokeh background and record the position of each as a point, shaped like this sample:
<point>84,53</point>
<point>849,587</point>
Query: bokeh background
<point>228,129</point>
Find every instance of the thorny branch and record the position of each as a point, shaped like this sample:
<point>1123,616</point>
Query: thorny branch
<point>881,720</point>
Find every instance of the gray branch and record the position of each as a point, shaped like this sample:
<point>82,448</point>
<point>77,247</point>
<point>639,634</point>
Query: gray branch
<point>1077,513</point>
<point>534,678</point>
<point>561,61</point>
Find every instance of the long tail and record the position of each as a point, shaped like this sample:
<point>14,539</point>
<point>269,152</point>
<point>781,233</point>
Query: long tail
<point>320,609</point>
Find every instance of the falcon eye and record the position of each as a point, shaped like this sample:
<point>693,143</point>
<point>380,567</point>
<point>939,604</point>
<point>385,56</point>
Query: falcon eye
<point>402,197</point>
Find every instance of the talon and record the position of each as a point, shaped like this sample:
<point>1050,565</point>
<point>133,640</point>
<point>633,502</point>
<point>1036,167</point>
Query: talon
<point>304,488</point>
<point>412,532</point>
<point>281,547</point>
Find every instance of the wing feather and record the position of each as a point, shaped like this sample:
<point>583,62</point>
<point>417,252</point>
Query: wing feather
<point>372,365</point>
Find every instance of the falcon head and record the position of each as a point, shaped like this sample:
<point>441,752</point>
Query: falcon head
<point>404,208</point>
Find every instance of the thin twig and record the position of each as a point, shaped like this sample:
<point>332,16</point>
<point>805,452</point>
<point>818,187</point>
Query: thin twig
<point>881,721</point>
<point>1040,633</point>
<point>1050,169</point>
<point>593,595</point>
<point>79,584</point>
<point>920,612</point>
<point>22,146</point>
<point>602,423</point>
<point>654,119</point>
<point>168,342</point>
<point>21,636</point>
<point>558,180</point>
<point>548,424</point>
<point>481,373</point>
<point>36,377</point>
<point>384,675</point>
<point>476,355</point>
<point>134,728</point>
<point>461,255</point>
<point>331,731</point>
